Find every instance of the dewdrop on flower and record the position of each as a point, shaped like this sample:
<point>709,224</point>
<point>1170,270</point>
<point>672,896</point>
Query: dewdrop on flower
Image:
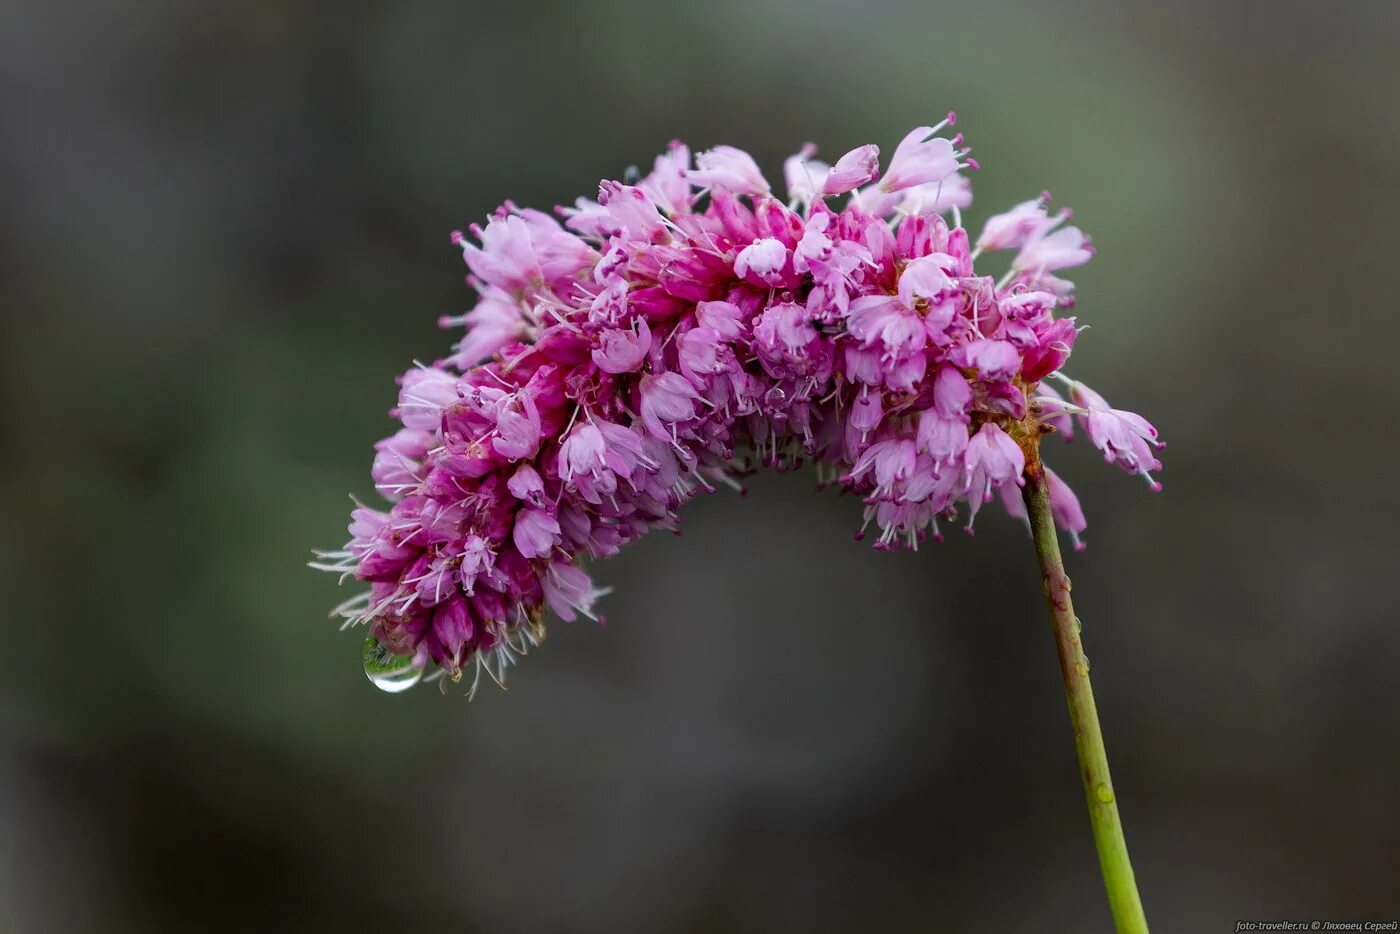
<point>673,334</point>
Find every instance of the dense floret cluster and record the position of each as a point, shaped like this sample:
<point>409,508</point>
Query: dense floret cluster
<point>681,331</point>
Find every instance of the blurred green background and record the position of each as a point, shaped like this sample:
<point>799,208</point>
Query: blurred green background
<point>225,231</point>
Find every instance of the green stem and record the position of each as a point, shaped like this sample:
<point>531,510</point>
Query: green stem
<point>1123,899</point>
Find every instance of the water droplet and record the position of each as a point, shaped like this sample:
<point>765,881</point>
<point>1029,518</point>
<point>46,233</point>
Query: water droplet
<point>1104,793</point>
<point>394,682</point>
<point>1087,666</point>
<point>1081,669</point>
<point>389,672</point>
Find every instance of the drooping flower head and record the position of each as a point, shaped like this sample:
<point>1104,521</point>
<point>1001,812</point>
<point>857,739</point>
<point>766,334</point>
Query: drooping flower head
<point>677,332</point>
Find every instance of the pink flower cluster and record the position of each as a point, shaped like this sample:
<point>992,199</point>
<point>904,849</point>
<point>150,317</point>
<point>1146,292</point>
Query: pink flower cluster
<point>684,330</point>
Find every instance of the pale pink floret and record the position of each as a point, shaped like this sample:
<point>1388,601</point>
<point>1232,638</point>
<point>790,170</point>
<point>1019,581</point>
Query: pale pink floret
<point>633,212</point>
<point>996,360</point>
<point>1054,410</point>
<point>927,277</point>
<point>725,168</point>
<point>992,459</point>
<point>1065,509</point>
<point>1125,438</point>
<point>889,462</point>
<point>763,260</point>
<point>938,197</point>
<point>569,591</point>
<point>622,350</point>
<point>494,324</point>
<point>1062,249</point>
<point>922,158</point>
<point>667,185</point>
<point>1020,225</point>
<point>581,453</point>
<point>803,176</point>
<point>951,394</point>
<point>725,318</point>
<point>666,399</point>
<point>589,218</point>
<point>807,178</point>
<point>506,257</point>
<point>526,485</point>
<point>517,428</point>
<point>426,392</point>
<point>852,170</point>
<point>703,355</point>
<point>536,532</point>
<point>594,457</point>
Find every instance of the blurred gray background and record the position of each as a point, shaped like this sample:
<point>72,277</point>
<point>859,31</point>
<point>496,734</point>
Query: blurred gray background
<point>225,231</point>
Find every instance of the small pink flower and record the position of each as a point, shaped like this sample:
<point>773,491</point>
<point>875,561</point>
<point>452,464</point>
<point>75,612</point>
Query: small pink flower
<point>536,532</point>
<point>624,451</point>
<point>919,159</point>
<point>725,168</point>
<point>633,212</point>
<point>784,330</point>
<point>666,399</point>
<point>762,261</point>
<point>702,355</point>
<point>1052,345</point>
<point>852,170</point>
<point>804,176</point>
<point>1059,250</point>
<point>815,248</point>
<point>559,253</point>
<point>1125,438</point>
<point>476,559</point>
<point>1052,407</point>
<point>398,462</point>
<point>938,197</point>
<point>992,459</point>
<point>517,429</point>
<point>890,461</point>
<point>581,452</point>
<point>995,360</point>
<point>526,485</point>
<point>452,625</point>
<point>426,393</point>
<point>569,591</point>
<point>951,393</point>
<point>1028,305</point>
<point>943,438</point>
<point>667,185</point>
<point>926,277</point>
<point>583,464</point>
<point>622,351</point>
<point>506,257</point>
<point>1015,228</point>
<point>589,218</point>
<point>494,324</point>
<point>1064,507</point>
<point>884,319</point>
<point>724,318</point>
<point>437,580</point>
